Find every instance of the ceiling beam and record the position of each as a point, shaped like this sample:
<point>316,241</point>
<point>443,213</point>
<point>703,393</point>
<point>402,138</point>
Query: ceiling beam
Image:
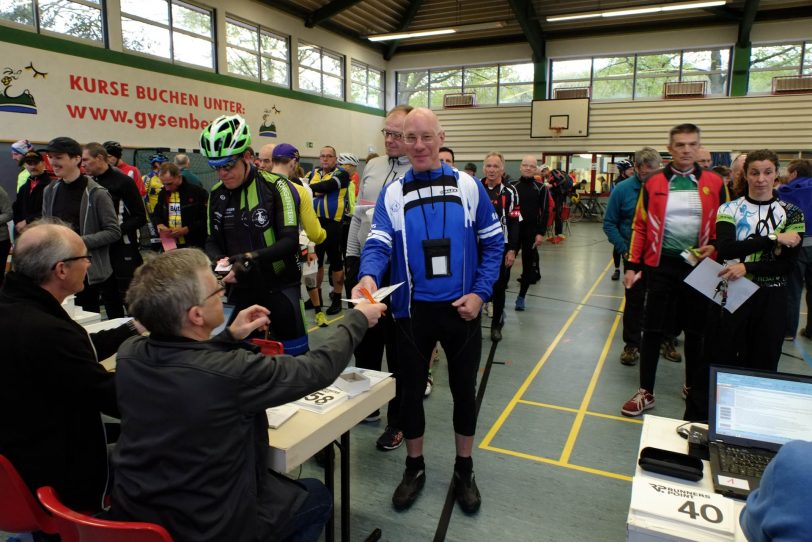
<point>526,16</point>
<point>746,24</point>
<point>328,10</point>
<point>405,23</point>
<point>725,13</point>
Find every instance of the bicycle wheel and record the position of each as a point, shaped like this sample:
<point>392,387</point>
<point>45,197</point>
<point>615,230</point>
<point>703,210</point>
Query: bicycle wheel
<point>577,212</point>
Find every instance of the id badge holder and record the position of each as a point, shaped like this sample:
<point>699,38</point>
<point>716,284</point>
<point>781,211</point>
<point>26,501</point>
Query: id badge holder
<point>438,257</point>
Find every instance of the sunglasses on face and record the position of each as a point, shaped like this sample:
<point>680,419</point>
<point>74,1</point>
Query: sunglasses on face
<point>228,166</point>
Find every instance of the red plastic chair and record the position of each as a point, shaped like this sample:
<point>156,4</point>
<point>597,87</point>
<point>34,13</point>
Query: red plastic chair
<point>19,510</point>
<point>75,527</point>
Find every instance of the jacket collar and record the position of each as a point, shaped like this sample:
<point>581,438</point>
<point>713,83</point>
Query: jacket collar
<point>19,288</point>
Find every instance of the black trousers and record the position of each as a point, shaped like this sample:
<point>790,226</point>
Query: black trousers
<point>5,248</point>
<point>88,298</point>
<point>498,297</point>
<point>666,292</point>
<point>633,312</point>
<point>462,344</point>
<point>531,268</point>
<point>125,259</point>
<point>751,337</point>
<point>559,207</point>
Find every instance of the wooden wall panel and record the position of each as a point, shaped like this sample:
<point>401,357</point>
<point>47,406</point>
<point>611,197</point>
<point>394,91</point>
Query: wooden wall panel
<point>781,123</point>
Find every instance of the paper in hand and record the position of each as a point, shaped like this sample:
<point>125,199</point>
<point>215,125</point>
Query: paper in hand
<point>379,295</point>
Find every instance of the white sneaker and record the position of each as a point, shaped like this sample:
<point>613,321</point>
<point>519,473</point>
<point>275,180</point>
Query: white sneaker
<point>489,309</point>
<point>429,385</point>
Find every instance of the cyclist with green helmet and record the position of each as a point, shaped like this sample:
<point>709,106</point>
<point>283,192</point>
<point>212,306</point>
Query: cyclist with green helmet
<point>253,225</point>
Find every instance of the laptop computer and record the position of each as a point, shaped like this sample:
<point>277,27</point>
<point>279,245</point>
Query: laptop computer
<point>751,415</point>
<point>228,315</point>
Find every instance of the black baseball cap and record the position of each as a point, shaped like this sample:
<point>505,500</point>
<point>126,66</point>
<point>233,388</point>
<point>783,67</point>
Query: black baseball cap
<point>64,145</point>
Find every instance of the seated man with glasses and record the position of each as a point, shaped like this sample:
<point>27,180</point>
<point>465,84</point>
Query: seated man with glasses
<point>254,227</point>
<point>54,385</point>
<point>194,441</point>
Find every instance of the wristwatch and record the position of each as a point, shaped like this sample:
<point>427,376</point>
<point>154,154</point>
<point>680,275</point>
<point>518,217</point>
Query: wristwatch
<point>772,237</point>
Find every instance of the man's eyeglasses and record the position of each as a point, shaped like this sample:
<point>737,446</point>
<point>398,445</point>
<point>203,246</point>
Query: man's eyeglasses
<point>87,257</point>
<point>393,135</point>
<point>426,139</point>
<point>32,161</point>
<point>228,166</point>
<point>221,288</point>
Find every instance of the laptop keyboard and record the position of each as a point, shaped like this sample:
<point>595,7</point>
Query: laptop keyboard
<point>742,461</point>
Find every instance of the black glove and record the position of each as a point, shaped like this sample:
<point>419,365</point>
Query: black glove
<point>243,265</point>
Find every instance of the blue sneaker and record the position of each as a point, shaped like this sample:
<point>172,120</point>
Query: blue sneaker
<point>519,303</point>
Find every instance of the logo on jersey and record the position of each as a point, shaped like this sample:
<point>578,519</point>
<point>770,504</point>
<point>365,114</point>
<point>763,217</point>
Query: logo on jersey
<point>260,217</point>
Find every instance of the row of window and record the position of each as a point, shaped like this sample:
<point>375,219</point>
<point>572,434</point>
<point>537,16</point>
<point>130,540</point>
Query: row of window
<point>499,84</point>
<point>182,32</point>
<point>632,76</point>
<point>641,75</point>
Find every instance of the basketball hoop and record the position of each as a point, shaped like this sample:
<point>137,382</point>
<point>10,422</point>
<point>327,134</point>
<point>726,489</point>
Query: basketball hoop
<point>556,132</point>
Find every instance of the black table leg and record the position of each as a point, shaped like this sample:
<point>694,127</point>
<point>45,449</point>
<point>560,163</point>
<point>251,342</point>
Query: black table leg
<point>329,481</point>
<point>345,487</point>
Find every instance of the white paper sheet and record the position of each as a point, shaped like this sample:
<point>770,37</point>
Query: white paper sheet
<point>705,279</point>
<point>379,295</point>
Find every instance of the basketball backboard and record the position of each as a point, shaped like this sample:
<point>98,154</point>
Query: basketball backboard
<point>560,118</point>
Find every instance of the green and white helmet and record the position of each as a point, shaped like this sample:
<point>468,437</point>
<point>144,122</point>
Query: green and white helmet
<point>226,136</point>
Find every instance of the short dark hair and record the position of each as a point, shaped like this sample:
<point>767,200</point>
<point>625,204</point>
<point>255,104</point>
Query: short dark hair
<point>472,166</point>
<point>96,149</point>
<point>759,156</point>
<point>801,167</point>
<point>449,151</point>
<point>169,167</point>
<point>686,128</point>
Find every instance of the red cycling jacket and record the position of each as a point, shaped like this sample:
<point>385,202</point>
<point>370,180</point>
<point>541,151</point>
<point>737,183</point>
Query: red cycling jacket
<point>648,224</point>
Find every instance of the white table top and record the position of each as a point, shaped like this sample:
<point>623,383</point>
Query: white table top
<point>684,522</point>
<point>299,438</point>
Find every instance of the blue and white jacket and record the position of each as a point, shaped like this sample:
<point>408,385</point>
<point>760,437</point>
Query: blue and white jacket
<point>441,203</point>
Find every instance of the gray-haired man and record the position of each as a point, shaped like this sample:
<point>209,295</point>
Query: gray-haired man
<point>191,455</point>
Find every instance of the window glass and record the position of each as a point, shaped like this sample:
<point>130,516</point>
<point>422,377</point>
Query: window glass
<point>446,78</point>
<point>572,69</point>
<point>320,71</point>
<point>192,50</point>
<point>194,20</point>
<point>151,10</point>
<point>514,94</point>
<point>145,38</point>
<point>483,75</point>
<point>18,11</point>
<point>71,18</point>
<point>275,46</point>
<point>309,80</point>
<point>275,71</point>
<point>242,63</point>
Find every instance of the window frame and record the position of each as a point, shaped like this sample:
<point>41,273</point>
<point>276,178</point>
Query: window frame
<point>681,73</point>
<point>323,52</point>
<point>802,67</point>
<point>259,31</point>
<point>366,84</point>
<point>172,29</point>
<point>430,87</point>
<point>37,27</point>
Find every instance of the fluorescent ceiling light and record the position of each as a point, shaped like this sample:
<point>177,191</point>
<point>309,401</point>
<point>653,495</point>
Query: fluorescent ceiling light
<point>636,11</point>
<point>436,31</point>
<point>406,35</point>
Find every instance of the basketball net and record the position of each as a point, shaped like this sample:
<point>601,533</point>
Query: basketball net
<point>556,132</point>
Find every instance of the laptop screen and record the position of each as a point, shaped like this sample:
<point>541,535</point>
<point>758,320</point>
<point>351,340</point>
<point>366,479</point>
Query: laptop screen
<point>228,312</point>
<point>759,409</point>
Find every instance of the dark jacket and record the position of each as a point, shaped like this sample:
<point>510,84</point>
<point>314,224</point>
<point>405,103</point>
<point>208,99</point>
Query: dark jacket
<point>535,201</point>
<point>28,205</point>
<point>193,208</point>
<point>259,216</point>
<point>53,391</point>
<point>132,214</point>
<point>194,441</point>
<point>98,225</point>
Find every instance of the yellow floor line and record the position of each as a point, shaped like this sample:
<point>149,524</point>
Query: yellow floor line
<point>579,417</point>
<point>520,392</point>
<point>611,296</point>
<point>575,410</point>
<point>314,328</point>
<point>558,463</point>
